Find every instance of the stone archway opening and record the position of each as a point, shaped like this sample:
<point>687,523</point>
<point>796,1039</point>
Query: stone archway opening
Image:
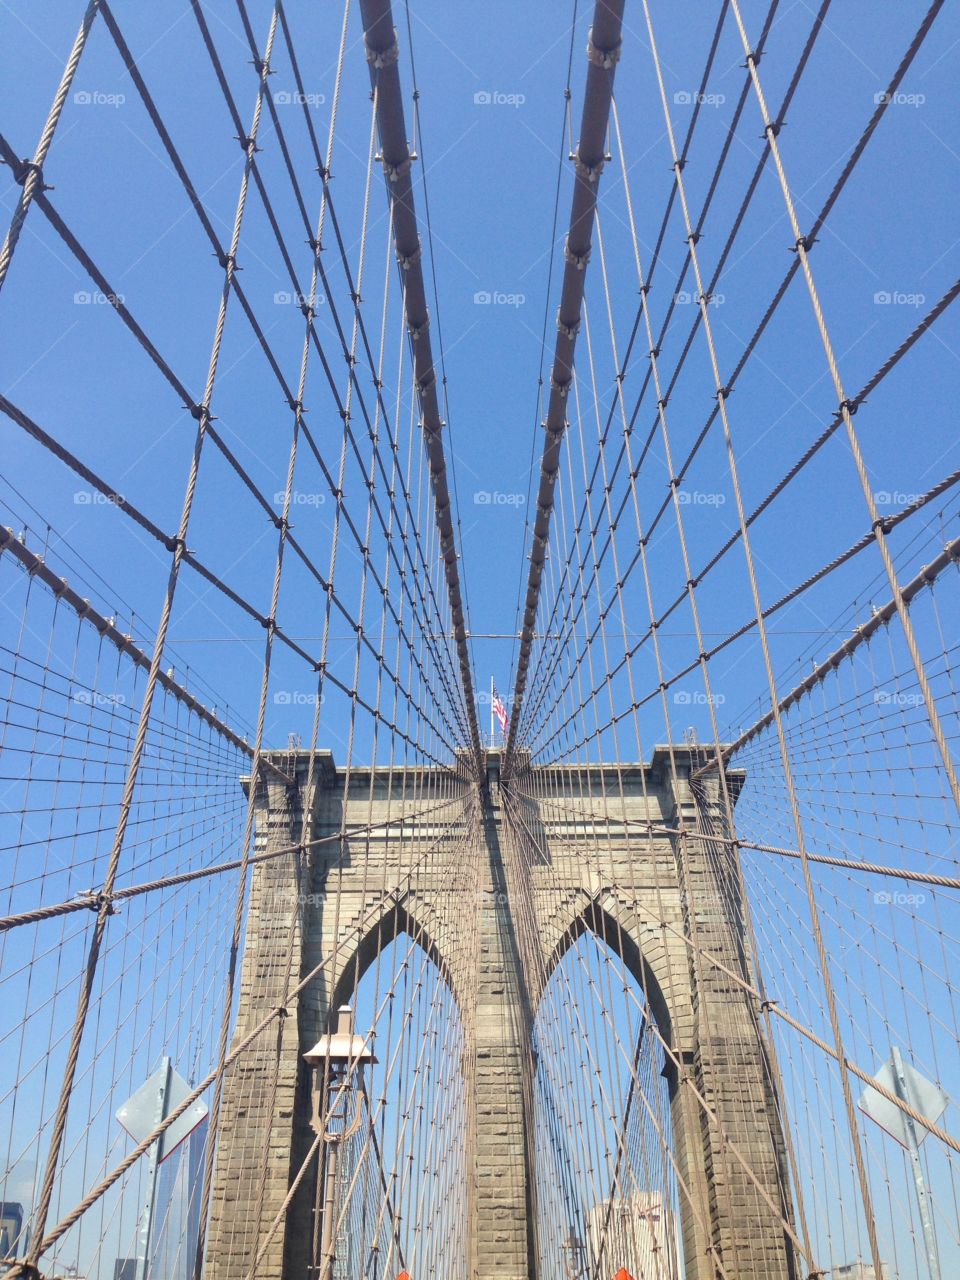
<point>608,1194</point>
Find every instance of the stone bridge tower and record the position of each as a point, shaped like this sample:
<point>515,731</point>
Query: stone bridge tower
<point>648,908</point>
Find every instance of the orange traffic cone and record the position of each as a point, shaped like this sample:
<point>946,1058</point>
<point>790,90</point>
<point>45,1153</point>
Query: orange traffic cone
<point>404,1275</point>
<point>623,1274</point>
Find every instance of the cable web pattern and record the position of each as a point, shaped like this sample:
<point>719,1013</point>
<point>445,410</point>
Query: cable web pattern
<point>300,976</point>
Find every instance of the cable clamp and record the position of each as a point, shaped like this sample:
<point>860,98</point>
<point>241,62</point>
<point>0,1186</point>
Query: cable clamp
<point>693,239</point>
<point>851,406</point>
<point>882,524</point>
<point>381,58</point>
<point>654,353</point>
<point>772,130</point>
<point>578,260</point>
<point>96,899</point>
<point>805,243</point>
<point>427,381</point>
<point>248,144</point>
<point>752,60</point>
<point>724,393</point>
<point>589,172</point>
<point>417,331</point>
<point>395,172</point>
<point>556,430</point>
<point>605,58</point>
<point>561,388</point>
<point>409,260</point>
<point>568,330</point>
<point>22,170</point>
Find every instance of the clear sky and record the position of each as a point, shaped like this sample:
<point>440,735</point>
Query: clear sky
<point>493,154</point>
<point>491,83</point>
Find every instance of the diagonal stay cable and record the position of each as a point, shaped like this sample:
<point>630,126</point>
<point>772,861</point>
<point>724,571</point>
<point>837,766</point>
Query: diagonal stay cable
<point>603,53</point>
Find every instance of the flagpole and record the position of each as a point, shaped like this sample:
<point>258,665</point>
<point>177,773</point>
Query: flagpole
<point>492,737</point>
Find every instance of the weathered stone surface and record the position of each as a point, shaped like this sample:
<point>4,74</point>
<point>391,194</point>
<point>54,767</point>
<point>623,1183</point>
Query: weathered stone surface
<point>309,910</point>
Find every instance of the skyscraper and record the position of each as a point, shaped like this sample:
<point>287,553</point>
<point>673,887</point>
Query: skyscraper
<point>637,1232</point>
<point>176,1226</point>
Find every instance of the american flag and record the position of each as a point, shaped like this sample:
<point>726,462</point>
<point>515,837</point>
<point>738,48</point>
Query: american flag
<point>500,711</point>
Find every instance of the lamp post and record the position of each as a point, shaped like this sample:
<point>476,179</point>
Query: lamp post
<point>576,1264</point>
<point>334,1059</point>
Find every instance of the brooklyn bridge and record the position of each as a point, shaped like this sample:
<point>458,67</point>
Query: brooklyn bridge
<point>479,584</point>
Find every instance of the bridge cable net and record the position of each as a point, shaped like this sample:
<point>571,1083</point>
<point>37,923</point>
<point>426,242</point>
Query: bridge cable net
<point>794,868</point>
<point>135,859</point>
<point>720,931</point>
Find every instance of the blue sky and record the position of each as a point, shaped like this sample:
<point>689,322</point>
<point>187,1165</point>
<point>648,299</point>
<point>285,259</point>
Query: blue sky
<point>493,153</point>
<point>492,109</point>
